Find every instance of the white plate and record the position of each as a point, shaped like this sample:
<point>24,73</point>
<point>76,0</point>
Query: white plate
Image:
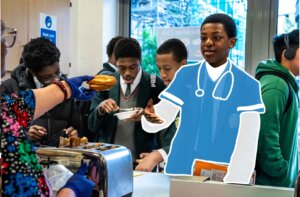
<point>125,115</point>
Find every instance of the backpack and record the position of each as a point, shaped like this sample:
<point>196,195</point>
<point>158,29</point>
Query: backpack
<point>290,97</point>
<point>153,89</point>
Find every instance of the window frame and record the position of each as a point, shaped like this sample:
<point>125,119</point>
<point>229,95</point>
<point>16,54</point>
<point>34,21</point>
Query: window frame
<point>261,15</point>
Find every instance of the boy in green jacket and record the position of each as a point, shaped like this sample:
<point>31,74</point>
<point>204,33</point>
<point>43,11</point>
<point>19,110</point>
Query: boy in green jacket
<point>277,155</point>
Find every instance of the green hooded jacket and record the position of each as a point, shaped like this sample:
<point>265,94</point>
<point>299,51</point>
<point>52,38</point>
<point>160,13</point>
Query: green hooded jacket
<point>277,154</point>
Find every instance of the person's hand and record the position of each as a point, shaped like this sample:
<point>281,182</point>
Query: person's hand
<point>138,114</point>
<point>36,133</point>
<point>148,161</point>
<point>149,113</point>
<point>78,91</point>
<point>71,132</point>
<point>108,106</point>
<point>81,186</point>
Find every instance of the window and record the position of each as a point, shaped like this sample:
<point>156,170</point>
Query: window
<point>288,16</point>
<point>147,16</point>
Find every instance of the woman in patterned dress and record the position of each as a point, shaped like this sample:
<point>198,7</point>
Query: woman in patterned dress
<point>21,173</point>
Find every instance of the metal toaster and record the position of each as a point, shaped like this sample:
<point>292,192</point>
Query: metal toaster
<point>109,166</point>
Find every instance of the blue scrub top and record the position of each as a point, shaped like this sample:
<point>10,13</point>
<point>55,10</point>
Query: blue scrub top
<point>209,126</point>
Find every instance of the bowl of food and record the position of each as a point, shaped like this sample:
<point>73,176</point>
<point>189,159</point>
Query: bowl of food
<point>125,114</point>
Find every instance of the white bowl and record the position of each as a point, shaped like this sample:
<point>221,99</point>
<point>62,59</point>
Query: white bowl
<point>125,115</point>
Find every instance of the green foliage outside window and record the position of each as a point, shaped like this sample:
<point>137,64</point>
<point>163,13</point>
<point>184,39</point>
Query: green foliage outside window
<point>149,15</point>
<point>149,47</point>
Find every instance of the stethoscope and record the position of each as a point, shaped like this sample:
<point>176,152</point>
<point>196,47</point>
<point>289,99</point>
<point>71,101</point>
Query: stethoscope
<point>200,92</point>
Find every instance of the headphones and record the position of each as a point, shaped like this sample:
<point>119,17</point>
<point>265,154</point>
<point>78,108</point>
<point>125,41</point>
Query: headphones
<point>289,52</point>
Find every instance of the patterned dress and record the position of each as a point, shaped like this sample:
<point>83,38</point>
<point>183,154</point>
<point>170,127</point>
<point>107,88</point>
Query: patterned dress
<point>22,175</point>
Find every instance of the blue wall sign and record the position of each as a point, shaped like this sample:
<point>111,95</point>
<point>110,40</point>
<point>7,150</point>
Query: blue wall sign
<point>48,25</point>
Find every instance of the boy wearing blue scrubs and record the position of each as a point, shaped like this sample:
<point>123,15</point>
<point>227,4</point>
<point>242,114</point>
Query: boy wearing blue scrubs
<point>220,106</point>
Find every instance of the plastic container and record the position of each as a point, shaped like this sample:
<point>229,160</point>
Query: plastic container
<point>57,176</point>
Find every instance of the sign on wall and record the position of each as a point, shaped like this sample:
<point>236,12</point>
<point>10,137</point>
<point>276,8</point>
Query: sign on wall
<point>48,26</point>
<point>190,36</point>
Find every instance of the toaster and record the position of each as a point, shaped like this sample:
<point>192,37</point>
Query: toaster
<point>109,166</point>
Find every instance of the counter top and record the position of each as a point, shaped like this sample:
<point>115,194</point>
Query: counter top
<point>147,184</point>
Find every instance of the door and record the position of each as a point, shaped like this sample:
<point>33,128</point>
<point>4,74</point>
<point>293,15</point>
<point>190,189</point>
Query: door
<point>24,15</point>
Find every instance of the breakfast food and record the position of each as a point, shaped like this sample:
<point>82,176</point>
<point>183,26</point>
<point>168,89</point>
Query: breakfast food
<point>84,140</point>
<point>90,146</point>
<point>102,82</point>
<point>72,141</point>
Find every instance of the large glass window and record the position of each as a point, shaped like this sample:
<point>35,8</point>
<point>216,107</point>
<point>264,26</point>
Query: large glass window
<point>288,16</point>
<point>147,16</point>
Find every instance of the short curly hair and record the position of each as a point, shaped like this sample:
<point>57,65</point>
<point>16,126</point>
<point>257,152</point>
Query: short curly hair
<point>111,45</point>
<point>39,53</point>
<point>128,47</point>
<point>225,20</point>
<point>174,46</point>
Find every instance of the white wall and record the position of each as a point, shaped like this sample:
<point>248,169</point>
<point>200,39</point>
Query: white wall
<point>86,37</point>
<point>110,23</point>
<point>93,24</point>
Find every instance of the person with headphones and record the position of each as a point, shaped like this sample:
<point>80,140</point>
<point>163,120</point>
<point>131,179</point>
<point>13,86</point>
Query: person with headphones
<point>277,155</point>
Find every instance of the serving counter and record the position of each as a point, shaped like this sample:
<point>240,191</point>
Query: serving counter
<point>110,167</point>
<point>147,184</point>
